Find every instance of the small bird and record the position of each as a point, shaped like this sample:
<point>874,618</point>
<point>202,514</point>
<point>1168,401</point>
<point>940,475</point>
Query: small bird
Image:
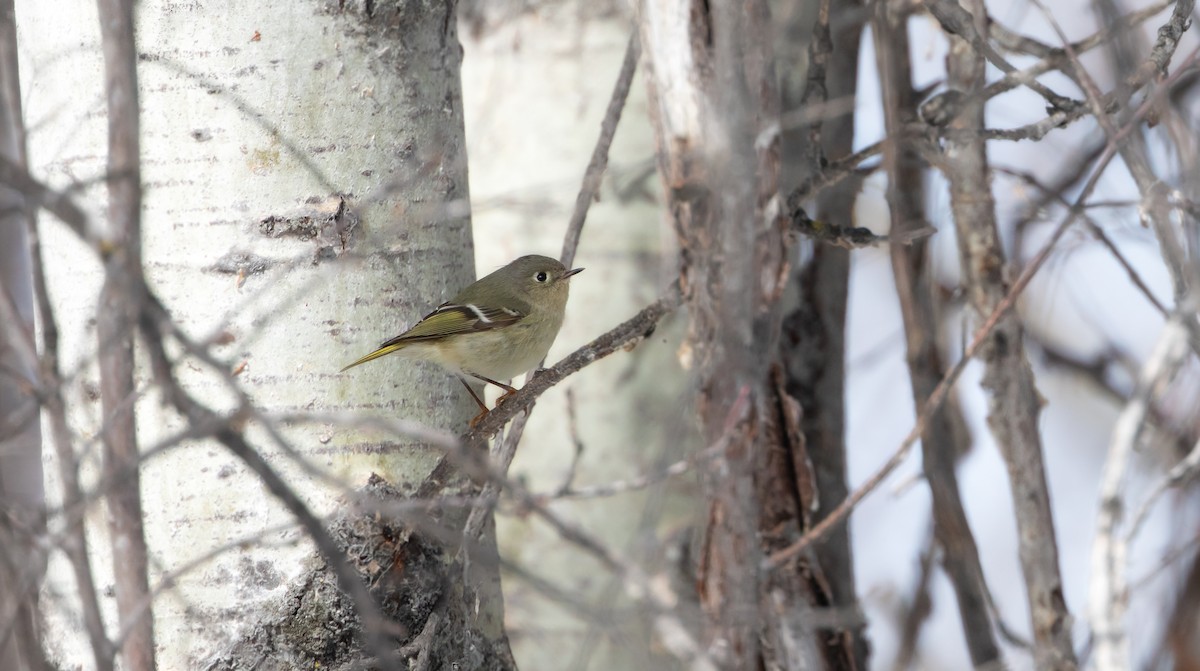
<point>498,327</point>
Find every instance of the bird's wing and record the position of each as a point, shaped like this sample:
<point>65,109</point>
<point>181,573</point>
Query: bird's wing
<point>450,319</point>
<point>453,319</point>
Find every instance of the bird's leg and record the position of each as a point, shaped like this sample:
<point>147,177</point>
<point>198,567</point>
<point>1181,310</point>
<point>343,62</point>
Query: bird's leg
<point>508,391</point>
<point>483,409</point>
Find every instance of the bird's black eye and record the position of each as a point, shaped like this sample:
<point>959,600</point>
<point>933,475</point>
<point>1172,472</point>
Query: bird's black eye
<point>541,276</point>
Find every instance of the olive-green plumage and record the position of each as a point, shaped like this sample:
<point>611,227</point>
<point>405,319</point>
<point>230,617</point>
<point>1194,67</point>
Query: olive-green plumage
<point>498,327</point>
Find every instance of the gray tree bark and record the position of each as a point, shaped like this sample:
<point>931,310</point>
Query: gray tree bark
<point>22,498</point>
<point>814,332</point>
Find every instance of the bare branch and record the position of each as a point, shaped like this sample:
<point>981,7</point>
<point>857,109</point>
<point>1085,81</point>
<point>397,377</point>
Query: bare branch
<point>1182,472</point>
<point>982,333</point>
<point>154,321</point>
<point>596,166</point>
<point>654,593</point>
<point>958,21</point>
<point>1100,105</point>
<point>624,336</point>
<point>812,394</point>
<point>945,436</point>
<point>506,449</point>
<point>75,542</point>
<point>1156,206</point>
<point>22,493</point>
<point>56,203</point>
<point>1134,276</point>
<point>116,319</point>
<point>1108,590</point>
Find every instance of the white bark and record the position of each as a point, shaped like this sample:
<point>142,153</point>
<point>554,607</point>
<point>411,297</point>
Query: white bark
<point>1108,589</point>
<point>253,111</point>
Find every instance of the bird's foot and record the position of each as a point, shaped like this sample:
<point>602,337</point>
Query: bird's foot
<point>505,396</point>
<point>478,418</point>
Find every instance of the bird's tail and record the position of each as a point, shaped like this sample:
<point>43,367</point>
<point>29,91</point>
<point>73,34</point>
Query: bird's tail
<point>382,351</point>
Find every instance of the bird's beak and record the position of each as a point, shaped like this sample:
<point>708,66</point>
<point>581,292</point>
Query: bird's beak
<point>573,271</point>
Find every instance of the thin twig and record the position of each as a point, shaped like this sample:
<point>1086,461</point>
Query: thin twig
<point>506,448</point>
<point>577,454</point>
<point>940,441</point>
<point>1156,207</point>
<point>917,609</point>
<point>75,542</point>
<point>653,593</point>
<point>622,336</point>
<point>1104,239</point>
<point>957,20</point>
<point>1108,590</point>
<point>939,394</point>
<point>633,484</point>
<point>1014,403</point>
<point>599,161</point>
<point>59,204</point>
<point>1181,472</point>
<point>1184,550</point>
<point>169,579</point>
<point>154,321</point>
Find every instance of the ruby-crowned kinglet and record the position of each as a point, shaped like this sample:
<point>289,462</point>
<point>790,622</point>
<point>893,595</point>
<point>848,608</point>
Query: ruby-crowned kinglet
<point>498,327</point>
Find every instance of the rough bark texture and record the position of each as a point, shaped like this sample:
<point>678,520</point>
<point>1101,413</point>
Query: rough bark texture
<point>306,198</point>
<point>814,333</point>
<point>417,584</point>
<point>713,91</point>
<point>1014,403</point>
<point>945,436</point>
<point>445,611</point>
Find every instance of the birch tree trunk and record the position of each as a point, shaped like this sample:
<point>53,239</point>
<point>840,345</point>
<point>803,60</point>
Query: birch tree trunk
<point>306,196</point>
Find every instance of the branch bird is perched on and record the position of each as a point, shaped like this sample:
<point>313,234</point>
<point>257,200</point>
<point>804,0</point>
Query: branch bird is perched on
<point>496,328</point>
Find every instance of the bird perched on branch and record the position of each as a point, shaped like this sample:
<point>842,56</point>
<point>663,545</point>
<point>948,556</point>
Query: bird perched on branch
<point>498,327</point>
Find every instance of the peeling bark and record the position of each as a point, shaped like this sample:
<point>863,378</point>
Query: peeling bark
<point>814,333</point>
<point>713,92</point>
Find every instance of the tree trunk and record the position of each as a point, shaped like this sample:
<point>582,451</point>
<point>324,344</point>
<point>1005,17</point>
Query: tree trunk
<point>713,96</point>
<point>22,497</point>
<point>814,332</point>
<point>305,198</point>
